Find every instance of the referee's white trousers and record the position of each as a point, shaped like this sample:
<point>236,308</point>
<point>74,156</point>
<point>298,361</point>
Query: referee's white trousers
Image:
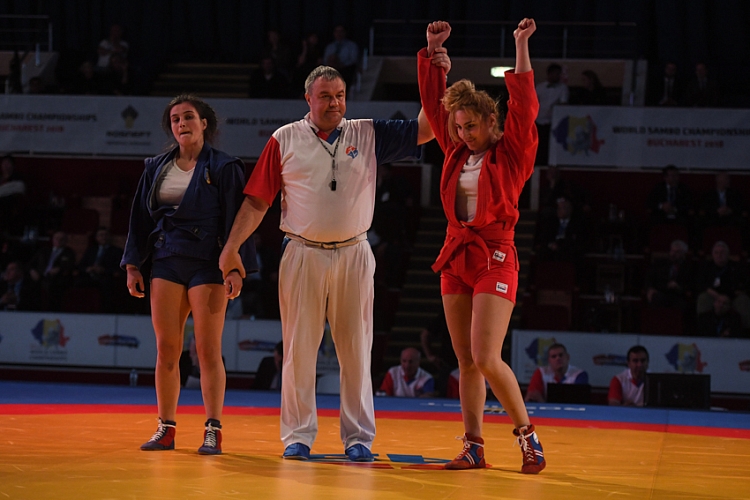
<point>315,284</point>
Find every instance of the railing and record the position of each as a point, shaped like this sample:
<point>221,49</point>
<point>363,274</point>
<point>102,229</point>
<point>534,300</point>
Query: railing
<point>25,33</point>
<point>585,40</point>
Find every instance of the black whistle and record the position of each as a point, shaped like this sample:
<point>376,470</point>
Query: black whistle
<point>333,185</point>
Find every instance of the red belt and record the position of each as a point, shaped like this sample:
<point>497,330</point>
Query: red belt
<point>465,235</point>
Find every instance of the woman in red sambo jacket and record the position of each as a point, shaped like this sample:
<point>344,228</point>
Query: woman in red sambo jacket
<point>483,175</point>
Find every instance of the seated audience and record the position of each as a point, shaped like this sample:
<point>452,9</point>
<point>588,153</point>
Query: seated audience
<point>268,376</point>
<point>52,267</point>
<point>438,350</point>
<point>626,388</point>
<point>701,91</point>
<point>12,193</point>
<point>100,268</point>
<point>670,200</point>
<point>557,371</point>
<point>18,292</point>
<point>670,281</point>
<point>342,54</point>
<point>722,276</point>
<point>563,237</point>
<point>721,321</point>
<point>114,44</point>
<point>665,89</point>
<point>722,206</point>
<point>592,93</point>
<point>408,380</point>
<point>266,82</point>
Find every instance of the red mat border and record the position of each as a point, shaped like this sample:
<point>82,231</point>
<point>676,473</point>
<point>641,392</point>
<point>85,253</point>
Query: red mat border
<point>62,409</point>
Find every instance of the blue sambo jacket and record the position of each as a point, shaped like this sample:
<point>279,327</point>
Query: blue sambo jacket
<point>199,226</point>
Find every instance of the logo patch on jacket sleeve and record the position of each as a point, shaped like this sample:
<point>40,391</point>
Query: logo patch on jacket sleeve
<point>499,256</point>
<point>501,287</point>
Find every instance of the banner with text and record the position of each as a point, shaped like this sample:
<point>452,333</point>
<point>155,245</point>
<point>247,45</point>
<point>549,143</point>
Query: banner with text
<point>131,126</point>
<point>650,137</point>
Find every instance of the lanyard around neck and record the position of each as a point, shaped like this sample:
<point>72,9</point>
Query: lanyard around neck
<point>332,155</point>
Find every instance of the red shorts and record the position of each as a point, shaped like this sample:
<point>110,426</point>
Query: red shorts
<point>468,272</point>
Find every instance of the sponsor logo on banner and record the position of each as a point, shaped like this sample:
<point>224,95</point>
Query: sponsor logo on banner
<point>50,341</point>
<point>537,350</point>
<point>256,345</point>
<point>685,358</point>
<point>129,137</point>
<point>119,340</point>
<point>577,134</point>
<point>610,360</point>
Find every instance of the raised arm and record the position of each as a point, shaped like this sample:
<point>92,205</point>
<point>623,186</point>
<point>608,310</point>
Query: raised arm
<point>526,27</point>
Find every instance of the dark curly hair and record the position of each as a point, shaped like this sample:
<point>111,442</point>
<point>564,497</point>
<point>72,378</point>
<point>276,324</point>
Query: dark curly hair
<point>204,112</point>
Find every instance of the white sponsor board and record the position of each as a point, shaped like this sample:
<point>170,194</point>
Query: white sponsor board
<point>131,126</point>
<point>87,340</point>
<point>650,137</point>
<point>603,355</point>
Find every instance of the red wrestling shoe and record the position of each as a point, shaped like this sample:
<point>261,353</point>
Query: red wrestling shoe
<point>472,456</point>
<point>163,438</point>
<point>533,455</point>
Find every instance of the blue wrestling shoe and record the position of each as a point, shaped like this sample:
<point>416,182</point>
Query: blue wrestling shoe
<point>297,451</point>
<point>533,455</point>
<point>359,453</point>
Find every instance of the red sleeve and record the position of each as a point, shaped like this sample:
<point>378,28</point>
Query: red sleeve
<point>265,181</point>
<point>615,390</point>
<point>520,134</point>
<point>431,89</point>
<point>536,384</point>
<point>387,385</point>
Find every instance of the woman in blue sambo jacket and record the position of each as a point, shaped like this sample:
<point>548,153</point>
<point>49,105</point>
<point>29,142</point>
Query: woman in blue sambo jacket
<point>184,208</point>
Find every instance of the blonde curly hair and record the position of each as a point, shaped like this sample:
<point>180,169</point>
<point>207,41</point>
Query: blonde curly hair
<point>462,95</point>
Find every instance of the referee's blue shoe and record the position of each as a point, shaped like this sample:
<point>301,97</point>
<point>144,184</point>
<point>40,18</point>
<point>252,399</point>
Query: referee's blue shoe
<point>359,453</point>
<point>297,451</point>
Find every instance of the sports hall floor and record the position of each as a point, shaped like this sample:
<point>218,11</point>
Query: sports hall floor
<point>65,441</point>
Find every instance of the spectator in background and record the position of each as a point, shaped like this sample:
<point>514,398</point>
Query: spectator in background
<point>87,81</point>
<point>268,376</point>
<point>723,206</point>
<point>114,44</point>
<point>667,89</point>
<point>670,200</point>
<point>52,267</point>
<point>438,350</point>
<point>116,79</point>
<point>100,268</point>
<point>12,194</point>
<point>592,93</point>
<point>555,187</point>
<point>36,86</point>
<point>408,380</point>
<point>670,281</point>
<point>722,276</point>
<point>550,93</point>
<point>342,54</point>
<point>13,83</point>
<point>279,52</point>
<point>720,321</point>
<point>266,82</point>
<point>557,371</point>
<point>701,91</point>
<point>309,58</point>
<point>562,237</point>
<point>18,292</point>
<point>626,388</point>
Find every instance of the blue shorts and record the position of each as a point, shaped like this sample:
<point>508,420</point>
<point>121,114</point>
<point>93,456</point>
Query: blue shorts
<point>187,271</point>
